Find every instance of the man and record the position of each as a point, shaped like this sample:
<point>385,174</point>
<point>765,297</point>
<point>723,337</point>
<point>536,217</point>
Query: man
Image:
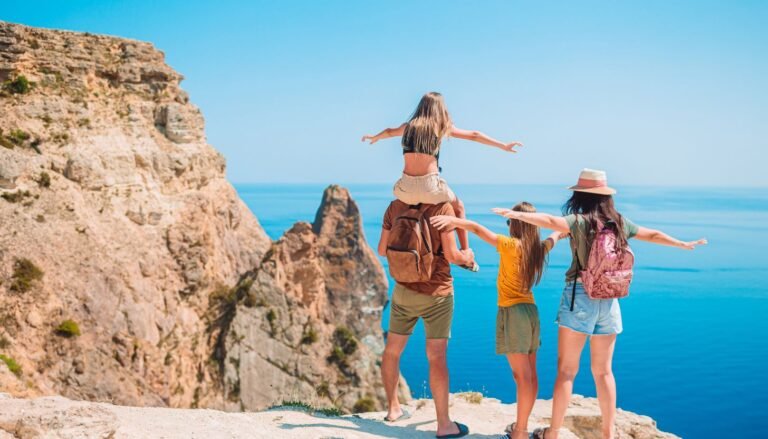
<point>431,300</point>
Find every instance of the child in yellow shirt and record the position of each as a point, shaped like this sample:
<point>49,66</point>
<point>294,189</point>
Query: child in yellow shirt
<point>522,257</point>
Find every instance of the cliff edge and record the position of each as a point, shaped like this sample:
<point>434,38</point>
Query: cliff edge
<point>57,417</point>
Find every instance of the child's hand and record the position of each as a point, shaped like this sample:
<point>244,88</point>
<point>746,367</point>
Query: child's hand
<point>373,139</point>
<point>509,147</point>
<point>443,222</point>
<point>507,213</point>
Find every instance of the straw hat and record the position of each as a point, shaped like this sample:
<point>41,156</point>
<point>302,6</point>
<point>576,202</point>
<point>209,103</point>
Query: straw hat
<point>594,182</point>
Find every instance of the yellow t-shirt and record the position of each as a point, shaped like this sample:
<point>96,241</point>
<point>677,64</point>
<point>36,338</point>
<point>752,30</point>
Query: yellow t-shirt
<point>508,283</point>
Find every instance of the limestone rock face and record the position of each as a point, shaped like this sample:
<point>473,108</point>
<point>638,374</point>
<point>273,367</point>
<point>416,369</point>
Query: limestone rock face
<point>116,214</point>
<point>306,325</point>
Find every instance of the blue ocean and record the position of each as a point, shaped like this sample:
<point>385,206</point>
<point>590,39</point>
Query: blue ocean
<point>693,354</point>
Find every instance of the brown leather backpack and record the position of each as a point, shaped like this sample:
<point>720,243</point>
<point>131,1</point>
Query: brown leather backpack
<point>409,248</point>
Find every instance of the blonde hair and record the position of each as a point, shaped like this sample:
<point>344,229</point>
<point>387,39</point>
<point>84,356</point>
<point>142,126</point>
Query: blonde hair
<point>429,123</point>
<point>533,256</point>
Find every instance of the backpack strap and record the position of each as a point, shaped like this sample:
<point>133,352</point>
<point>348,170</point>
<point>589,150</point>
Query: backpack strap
<point>578,267</point>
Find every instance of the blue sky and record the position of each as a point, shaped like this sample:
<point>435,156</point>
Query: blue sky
<point>655,92</point>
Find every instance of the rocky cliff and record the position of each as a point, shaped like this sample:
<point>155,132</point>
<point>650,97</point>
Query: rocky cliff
<point>131,272</point>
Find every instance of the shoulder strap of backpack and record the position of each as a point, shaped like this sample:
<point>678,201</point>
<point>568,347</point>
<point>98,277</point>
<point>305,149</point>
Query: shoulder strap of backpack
<point>578,265</point>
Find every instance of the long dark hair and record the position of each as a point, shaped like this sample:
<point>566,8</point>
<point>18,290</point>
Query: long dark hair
<point>534,257</point>
<point>599,211</point>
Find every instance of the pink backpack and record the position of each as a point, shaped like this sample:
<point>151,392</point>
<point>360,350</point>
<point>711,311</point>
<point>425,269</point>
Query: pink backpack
<point>609,270</point>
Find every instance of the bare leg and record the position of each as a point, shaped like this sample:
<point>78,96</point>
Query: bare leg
<point>438,384</point>
<point>458,208</point>
<point>390,372</point>
<point>524,372</point>
<point>569,346</point>
<point>601,347</point>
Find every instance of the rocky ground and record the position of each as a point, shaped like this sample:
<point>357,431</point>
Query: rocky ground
<point>57,417</point>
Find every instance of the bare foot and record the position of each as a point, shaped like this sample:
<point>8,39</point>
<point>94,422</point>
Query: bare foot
<point>393,414</point>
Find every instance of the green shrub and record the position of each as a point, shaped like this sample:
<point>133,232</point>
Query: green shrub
<point>365,404</point>
<point>271,318</point>
<point>15,197</point>
<point>344,345</point>
<point>328,411</point>
<point>18,137</point>
<point>44,180</point>
<point>310,336</point>
<point>338,357</point>
<point>345,339</point>
<point>18,85</point>
<point>13,366</point>
<point>4,342</point>
<point>68,328</point>
<point>25,273</point>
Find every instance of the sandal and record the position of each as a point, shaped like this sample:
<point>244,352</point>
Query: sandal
<point>463,431</point>
<point>540,433</point>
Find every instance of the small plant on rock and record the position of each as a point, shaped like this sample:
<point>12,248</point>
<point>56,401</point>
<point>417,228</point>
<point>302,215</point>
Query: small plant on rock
<point>344,345</point>
<point>44,180</point>
<point>15,197</point>
<point>271,318</point>
<point>13,366</point>
<point>18,137</point>
<point>19,85</point>
<point>309,336</point>
<point>365,404</point>
<point>68,328</point>
<point>25,274</point>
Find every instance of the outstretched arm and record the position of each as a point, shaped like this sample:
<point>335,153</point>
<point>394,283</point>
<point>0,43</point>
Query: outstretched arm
<point>443,222</point>
<point>385,134</point>
<point>556,223</point>
<point>553,238</point>
<point>659,237</point>
<point>479,137</point>
<point>452,253</point>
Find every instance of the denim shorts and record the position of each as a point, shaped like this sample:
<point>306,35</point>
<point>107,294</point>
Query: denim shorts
<point>589,316</point>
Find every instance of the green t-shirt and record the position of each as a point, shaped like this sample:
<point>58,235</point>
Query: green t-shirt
<point>581,241</point>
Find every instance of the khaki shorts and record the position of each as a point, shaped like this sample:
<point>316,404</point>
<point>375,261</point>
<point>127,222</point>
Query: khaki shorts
<point>517,329</point>
<point>408,306</point>
<point>427,189</point>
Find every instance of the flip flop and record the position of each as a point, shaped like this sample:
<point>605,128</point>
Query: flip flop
<point>540,433</point>
<point>463,431</point>
<point>405,415</point>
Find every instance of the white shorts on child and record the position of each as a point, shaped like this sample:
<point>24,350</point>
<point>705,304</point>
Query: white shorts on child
<point>427,189</point>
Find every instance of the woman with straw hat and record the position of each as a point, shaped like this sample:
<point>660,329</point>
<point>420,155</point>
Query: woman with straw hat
<point>582,314</point>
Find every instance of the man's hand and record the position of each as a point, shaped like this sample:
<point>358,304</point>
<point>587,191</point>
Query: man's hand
<point>443,222</point>
<point>469,255</point>
<point>690,245</point>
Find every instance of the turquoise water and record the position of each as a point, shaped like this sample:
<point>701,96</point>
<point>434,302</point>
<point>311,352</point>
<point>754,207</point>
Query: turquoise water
<point>694,348</point>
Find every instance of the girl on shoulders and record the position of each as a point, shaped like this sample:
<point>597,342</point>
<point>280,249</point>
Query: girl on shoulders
<point>422,136</point>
